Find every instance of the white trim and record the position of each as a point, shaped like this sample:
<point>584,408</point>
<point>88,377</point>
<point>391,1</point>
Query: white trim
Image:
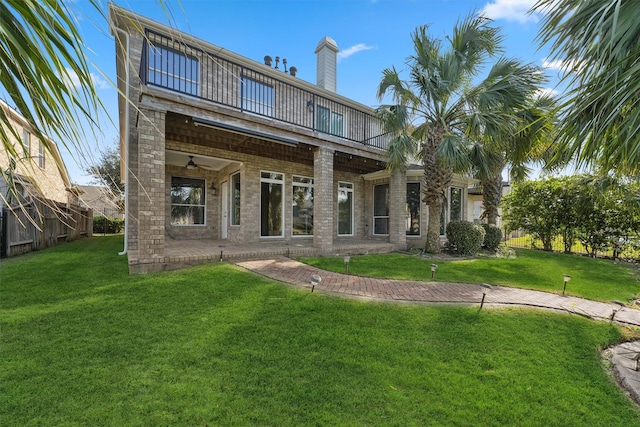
<point>348,190</point>
<point>273,181</point>
<point>294,183</point>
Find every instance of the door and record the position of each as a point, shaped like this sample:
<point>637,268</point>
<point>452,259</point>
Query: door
<point>225,210</point>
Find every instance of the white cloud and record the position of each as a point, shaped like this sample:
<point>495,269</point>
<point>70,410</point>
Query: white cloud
<point>511,10</point>
<point>98,82</point>
<point>563,66</point>
<point>344,54</point>
<point>547,91</point>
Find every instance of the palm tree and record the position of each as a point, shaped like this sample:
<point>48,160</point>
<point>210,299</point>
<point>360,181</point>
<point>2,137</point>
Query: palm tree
<point>441,108</point>
<point>45,72</point>
<point>530,144</point>
<point>599,43</point>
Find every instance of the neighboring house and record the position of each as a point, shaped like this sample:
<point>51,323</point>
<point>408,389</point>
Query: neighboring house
<point>476,205</point>
<point>35,173</point>
<point>218,146</point>
<point>101,200</point>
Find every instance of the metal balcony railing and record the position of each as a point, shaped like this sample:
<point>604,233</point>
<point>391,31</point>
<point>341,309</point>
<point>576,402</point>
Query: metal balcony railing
<point>178,66</point>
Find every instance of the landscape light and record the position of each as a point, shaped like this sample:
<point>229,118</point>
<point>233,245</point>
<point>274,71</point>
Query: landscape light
<point>566,279</point>
<point>315,280</point>
<point>433,270</point>
<point>346,264</point>
<point>485,288</point>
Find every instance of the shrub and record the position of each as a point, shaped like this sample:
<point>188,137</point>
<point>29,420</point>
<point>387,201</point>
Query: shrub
<point>464,237</point>
<point>106,225</point>
<point>492,237</point>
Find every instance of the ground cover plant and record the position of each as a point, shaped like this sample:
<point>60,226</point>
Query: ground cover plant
<point>84,343</point>
<point>594,279</point>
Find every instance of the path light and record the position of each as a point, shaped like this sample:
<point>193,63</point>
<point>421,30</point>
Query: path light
<point>485,288</point>
<point>315,280</point>
<point>433,271</point>
<point>616,308</point>
<point>346,264</point>
<point>566,279</point>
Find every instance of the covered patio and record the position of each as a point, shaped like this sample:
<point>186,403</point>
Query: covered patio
<point>183,253</point>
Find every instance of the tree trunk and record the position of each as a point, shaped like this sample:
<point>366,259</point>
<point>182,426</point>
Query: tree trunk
<point>491,197</point>
<point>432,244</point>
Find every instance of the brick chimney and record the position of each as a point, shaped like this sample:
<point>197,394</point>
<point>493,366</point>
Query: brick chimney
<point>327,56</point>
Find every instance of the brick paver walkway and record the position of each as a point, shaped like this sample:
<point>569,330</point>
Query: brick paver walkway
<point>295,273</point>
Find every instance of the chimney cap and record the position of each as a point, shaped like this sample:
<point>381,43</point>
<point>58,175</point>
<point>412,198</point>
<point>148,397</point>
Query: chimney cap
<point>328,42</point>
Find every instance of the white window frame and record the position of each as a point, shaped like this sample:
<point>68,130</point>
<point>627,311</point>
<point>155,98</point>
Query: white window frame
<point>332,115</point>
<point>377,217</point>
<point>296,182</point>
<point>203,206</point>
<point>263,103</point>
<point>26,142</point>
<point>349,188</point>
<point>41,156</point>
<point>175,79</point>
<point>408,214</point>
<point>233,221</point>
<point>273,181</point>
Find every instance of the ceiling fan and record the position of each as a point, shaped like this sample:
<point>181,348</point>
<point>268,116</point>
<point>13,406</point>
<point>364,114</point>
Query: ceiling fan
<point>191,164</point>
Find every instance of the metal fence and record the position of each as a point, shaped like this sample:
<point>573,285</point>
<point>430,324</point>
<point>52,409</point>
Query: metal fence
<point>523,240</point>
<point>172,64</point>
<point>42,224</point>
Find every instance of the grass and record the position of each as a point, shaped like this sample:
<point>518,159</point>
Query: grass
<point>84,343</point>
<point>594,279</point>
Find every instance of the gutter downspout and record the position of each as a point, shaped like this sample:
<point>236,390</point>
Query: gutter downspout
<point>126,145</point>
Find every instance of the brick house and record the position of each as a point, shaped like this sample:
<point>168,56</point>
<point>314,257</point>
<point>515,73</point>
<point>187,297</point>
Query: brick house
<point>220,148</point>
<point>34,173</point>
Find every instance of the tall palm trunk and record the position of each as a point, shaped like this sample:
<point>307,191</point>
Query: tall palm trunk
<point>437,177</point>
<point>491,196</point>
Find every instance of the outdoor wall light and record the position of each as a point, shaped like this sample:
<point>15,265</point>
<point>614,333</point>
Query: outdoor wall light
<point>566,279</point>
<point>310,105</point>
<point>618,305</point>
<point>346,264</point>
<point>213,189</point>
<point>315,280</point>
<point>485,288</point>
<point>433,271</point>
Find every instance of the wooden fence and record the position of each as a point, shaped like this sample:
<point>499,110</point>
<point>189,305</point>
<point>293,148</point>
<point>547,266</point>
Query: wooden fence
<point>42,224</point>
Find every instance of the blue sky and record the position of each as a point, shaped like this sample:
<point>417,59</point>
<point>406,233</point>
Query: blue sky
<point>371,34</point>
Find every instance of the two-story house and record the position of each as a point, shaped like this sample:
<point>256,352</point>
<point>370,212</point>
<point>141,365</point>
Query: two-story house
<point>33,173</point>
<point>221,148</point>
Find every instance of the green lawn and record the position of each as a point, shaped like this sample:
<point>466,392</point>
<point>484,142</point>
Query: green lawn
<point>84,343</point>
<point>594,279</point>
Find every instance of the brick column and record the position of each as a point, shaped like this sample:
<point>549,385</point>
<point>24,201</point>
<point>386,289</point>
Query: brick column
<point>151,191</point>
<point>323,196</point>
<point>397,210</point>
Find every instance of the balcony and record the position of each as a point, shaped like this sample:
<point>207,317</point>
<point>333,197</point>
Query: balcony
<point>180,67</point>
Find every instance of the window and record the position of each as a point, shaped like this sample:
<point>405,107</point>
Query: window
<point>345,209</point>
<point>257,97</point>
<point>26,142</point>
<point>413,208</point>
<point>41,155</point>
<point>302,206</point>
<point>329,121</point>
<point>187,201</point>
<point>173,70</point>
<point>381,209</point>
<point>452,212</point>
<point>235,199</point>
<point>271,204</point>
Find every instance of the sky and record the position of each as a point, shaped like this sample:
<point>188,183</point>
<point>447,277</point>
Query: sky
<point>371,34</point>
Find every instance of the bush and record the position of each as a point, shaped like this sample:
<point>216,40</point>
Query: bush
<point>106,225</point>
<point>464,237</point>
<point>492,237</point>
